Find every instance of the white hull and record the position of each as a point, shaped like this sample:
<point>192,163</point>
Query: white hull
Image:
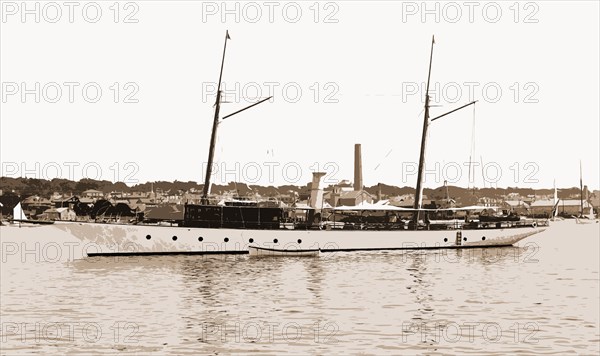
<point>108,239</point>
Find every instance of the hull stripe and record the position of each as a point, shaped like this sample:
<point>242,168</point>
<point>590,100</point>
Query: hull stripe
<point>245,252</point>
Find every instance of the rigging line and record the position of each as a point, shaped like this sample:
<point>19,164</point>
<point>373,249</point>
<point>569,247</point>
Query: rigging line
<point>384,157</point>
<point>469,182</point>
<point>421,112</point>
<point>483,173</point>
<point>219,152</point>
<point>472,153</point>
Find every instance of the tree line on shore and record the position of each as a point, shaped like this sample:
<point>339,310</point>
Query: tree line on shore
<point>25,187</point>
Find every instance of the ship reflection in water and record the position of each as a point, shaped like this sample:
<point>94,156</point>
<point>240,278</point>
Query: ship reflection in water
<point>539,297</point>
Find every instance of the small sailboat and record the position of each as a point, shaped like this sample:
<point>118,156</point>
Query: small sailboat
<point>590,214</point>
<point>554,216</point>
<point>583,219</point>
<point>273,252</point>
<point>20,218</point>
<point>18,213</point>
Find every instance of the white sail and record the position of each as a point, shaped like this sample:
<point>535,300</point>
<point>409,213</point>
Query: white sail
<point>18,212</point>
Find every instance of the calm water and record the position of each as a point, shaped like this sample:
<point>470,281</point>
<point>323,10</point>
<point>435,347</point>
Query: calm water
<point>541,297</point>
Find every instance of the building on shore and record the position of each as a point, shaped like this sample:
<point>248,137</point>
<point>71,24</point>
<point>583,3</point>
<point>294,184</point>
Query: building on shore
<point>59,214</point>
<point>354,198</point>
<point>35,205</point>
<point>565,207</point>
<point>518,207</point>
<point>93,194</point>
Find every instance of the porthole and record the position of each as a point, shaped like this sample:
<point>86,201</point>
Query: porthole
<point>226,239</point>
<point>464,239</point>
<point>299,241</point>
<point>483,238</point>
<point>251,240</point>
<point>445,239</point>
<point>275,241</point>
<point>148,237</point>
<point>200,238</point>
<point>174,238</point>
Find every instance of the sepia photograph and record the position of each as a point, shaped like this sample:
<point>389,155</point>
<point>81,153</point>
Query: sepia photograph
<point>304,177</point>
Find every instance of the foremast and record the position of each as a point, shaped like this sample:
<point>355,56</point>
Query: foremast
<point>213,136</point>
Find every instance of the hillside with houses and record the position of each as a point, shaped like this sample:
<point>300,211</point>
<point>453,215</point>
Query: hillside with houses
<point>61,199</point>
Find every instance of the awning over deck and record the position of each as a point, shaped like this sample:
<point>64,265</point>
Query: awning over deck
<point>383,207</point>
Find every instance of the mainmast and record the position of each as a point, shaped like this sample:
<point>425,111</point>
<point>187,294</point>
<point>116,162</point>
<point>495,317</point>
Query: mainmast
<point>419,190</point>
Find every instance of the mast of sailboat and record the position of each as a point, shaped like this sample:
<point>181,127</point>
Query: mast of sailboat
<point>419,189</point>
<point>555,201</point>
<point>213,137</point>
<point>581,187</point>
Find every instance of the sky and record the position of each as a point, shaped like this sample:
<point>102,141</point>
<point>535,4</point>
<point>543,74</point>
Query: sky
<point>125,91</point>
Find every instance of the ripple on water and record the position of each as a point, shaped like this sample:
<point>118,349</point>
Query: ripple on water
<point>387,303</point>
